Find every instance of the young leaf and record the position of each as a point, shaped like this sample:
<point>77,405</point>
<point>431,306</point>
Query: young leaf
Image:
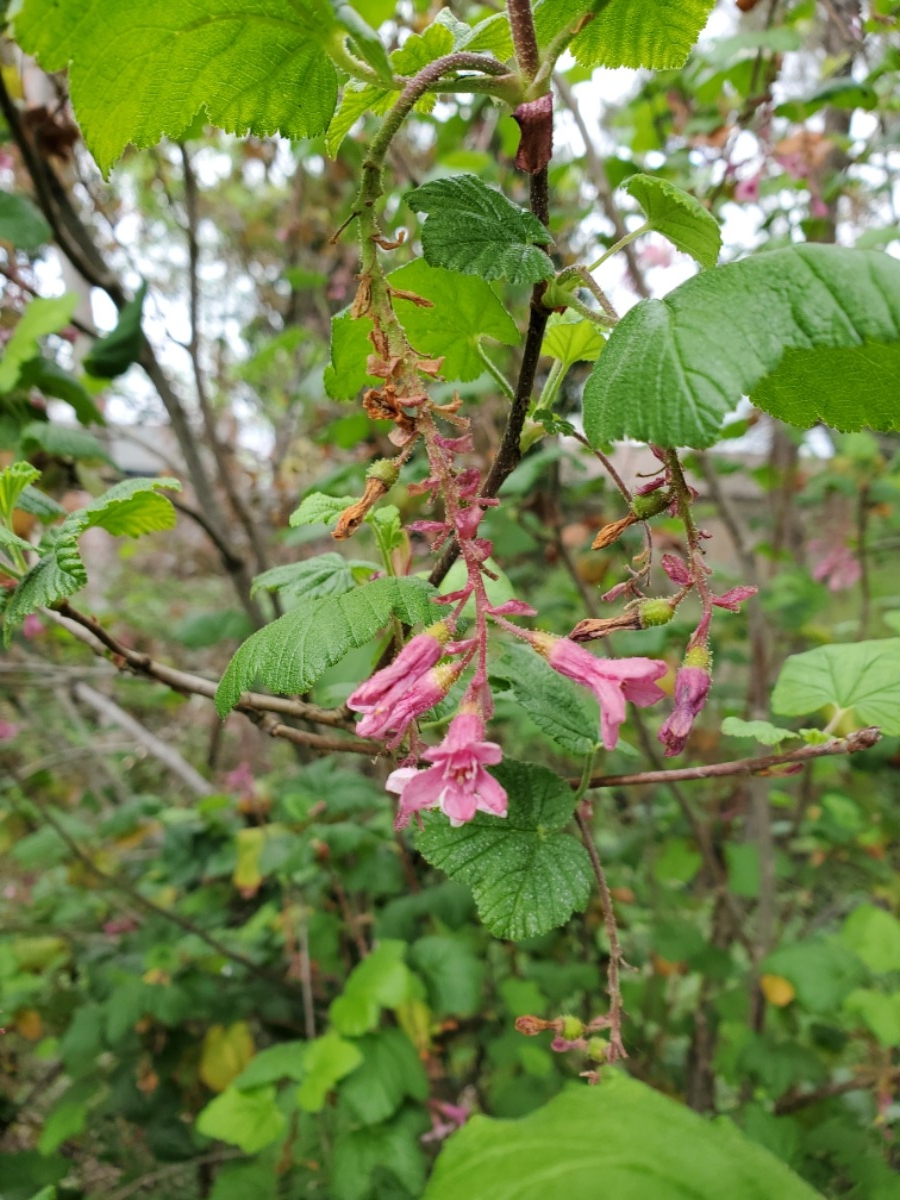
<point>113,354</point>
<point>21,224</point>
<point>249,1120</point>
<point>572,339</point>
<point>762,731</point>
<point>138,72</point>
<point>346,375</point>
<point>290,654</point>
<point>464,309</point>
<point>678,216</point>
<point>367,42</point>
<point>49,378</point>
<point>863,676</point>
<point>319,509</point>
<point>39,318</point>
<point>420,49</point>
<point>356,101</point>
<point>525,876</point>
<point>381,981</point>
<point>128,509</point>
<point>55,577</point>
<point>325,575</point>
<point>776,327</point>
<point>564,711</point>
<point>474,229</point>
<point>14,479</point>
<point>63,441</point>
<point>662,1150</point>
<point>327,1060</point>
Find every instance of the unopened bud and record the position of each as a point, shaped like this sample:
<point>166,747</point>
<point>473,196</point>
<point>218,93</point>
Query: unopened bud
<point>656,611</point>
<point>650,504</point>
<point>572,1028</point>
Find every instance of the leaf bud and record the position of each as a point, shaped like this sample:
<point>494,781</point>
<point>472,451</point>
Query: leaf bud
<point>655,611</point>
<point>651,504</point>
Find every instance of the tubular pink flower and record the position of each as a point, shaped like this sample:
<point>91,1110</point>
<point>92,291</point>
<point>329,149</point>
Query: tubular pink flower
<point>458,783</point>
<point>691,690</point>
<point>406,701</point>
<point>419,655</point>
<point>612,681</point>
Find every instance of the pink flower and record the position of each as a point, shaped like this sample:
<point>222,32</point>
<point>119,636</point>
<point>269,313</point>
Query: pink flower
<point>419,655</point>
<point>840,568</point>
<point>8,731</point>
<point>612,681</point>
<point>458,783</point>
<point>32,626</point>
<point>691,690</point>
<point>405,701</point>
<point>732,600</point>
<point>746,191</point>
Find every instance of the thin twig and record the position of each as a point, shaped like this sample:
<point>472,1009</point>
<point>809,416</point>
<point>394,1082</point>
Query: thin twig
<point>138,1185</point>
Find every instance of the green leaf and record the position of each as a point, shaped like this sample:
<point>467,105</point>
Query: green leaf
<point>453,973</point>
<point>49,378</point>
<point>63,441</point>
<point>622,1136</point>
<point>369,1164</point>
<point>14,479</point>
<point>319,509</point>
<point>139,72</point>
<point>762,731</point>
<point>627,33</point>
<point>282,1061</point>
<point>368,44</point>
<point>21,224</point>
<point>572,339</point>
<point>678,216</point>
<point>874,936</point>
<point>863,676</point>
<point>525,876</point>
<point>674,368</point>
<point>380,981</point>
<point>880,1013</point>
<point>248,1120</point>
<point>423,48</point>
<point>326,1062</point>
<point>114,353</point>
<point>564,711</point>
<point>8,540</point>
<point>40,505</point>
<point>40,318</point>
<point>68,1117</point>
<point>390,1071</point>
<point>128,509</point>
<point>463,310</point>
<point>474,229</point>
<point>346,375</point>
<point>325,575</point>
<point>56,576</point>
<point>822,970</point>
<point>291,653</point>
<point>356,101</point>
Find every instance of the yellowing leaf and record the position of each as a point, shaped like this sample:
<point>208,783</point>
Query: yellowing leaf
<point>247,876</point>
<point>29,1024</point>
<point>226,1051</point>
<point>777,990</point>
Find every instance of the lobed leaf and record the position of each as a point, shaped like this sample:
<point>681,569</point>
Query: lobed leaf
<point>526,877</point>
<point>678,216</point>
<point>564,711</point>
<point>290,654</point>
<point>627,33</point>
<point>474,229</point>
<point>40,318</point>
<point>775,327</point>
<point>325,575</point>
<point>862,676</point>
<point>346,375</point>
<point>572,339</point>
<point>54,577</point>
<point>128,509</point>
<point>139,72</point>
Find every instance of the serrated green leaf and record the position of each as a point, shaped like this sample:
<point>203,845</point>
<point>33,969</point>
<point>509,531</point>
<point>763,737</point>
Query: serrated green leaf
<point>55,577</point>
<point>249,1120</point>
<point>526,877</point>
<point>346,375</point>
<point>474,229</point>
<point>319,509</point>
<point>327,1060</point>
<point>678,216</point>
<point>63,441</point>
<point>14,479</point>
<point>368,44</point>
<point>862,676</point>
<point>453,972</point>
<point>138,72</point>
<point>627,33</point>
<point>380,981</point>
<point>390,1071</point>
<point>40,505</point>
<point>9,540</point>
<point>39,319</point>
<point>355,102</point>
<point>762,731</point>
<point>572,339</point>
<point>291,653</point>
<point>464,309</point>
<point>49,378</point>
<point>490,36</point>
<point>565,712</point>
<point>21,224</point>
<point>114,353</point>
<point>638,1142</point>
<point>423,48</point>
<point>324,575</point>
<point>128,509</point>
<point>785,319</point>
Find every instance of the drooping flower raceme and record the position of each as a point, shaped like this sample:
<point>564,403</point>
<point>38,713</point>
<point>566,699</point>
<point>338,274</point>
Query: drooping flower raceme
<point>419,655</point>
<point>691,689</point>
<point>458,783</point>
<point>613,681</point>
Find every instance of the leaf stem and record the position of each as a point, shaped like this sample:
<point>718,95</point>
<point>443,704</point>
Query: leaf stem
<point>502,382</point>
<point>620,245</point>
